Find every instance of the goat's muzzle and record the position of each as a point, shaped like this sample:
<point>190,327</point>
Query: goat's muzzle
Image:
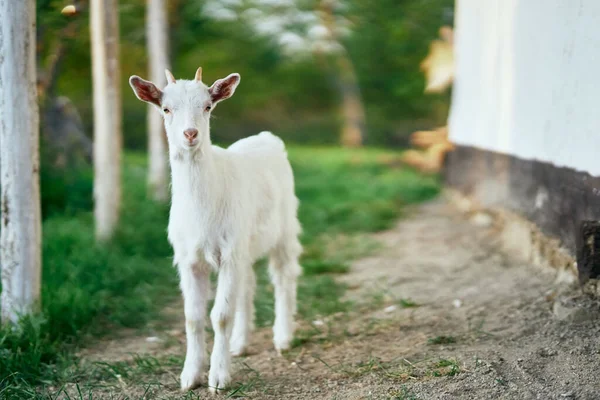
<point>190,134</point>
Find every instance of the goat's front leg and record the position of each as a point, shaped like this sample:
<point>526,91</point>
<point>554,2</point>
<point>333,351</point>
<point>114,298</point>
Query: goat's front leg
<point>221,317</point>
<point>195,286</point>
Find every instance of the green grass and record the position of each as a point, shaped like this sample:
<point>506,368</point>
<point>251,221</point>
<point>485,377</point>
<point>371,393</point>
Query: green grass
<point>407,303</point>
<point>441,340</point>
<point>91,289</point>
<point>403,394</point>
<point>446,368</point>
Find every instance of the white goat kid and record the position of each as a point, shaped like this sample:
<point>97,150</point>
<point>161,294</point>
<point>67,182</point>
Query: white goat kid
<point>230,207</point>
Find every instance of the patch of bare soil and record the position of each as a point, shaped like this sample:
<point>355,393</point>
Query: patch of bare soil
<point>440,313</point>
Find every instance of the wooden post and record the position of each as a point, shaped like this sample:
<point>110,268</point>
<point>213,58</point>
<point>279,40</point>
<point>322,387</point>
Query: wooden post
<point>20,238</point>
<point>156,37</point>
<point>104,26</point>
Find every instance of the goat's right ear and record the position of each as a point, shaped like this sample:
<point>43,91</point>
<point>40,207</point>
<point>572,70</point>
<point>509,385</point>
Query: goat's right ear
<point>145,90</point>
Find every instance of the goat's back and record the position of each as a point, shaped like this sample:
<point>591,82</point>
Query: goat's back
<point>268,189</point>
<point>264,142</point>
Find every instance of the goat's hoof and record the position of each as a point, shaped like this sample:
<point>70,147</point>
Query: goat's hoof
<point>282,345</point>
<point>190,379</point>
<point>237,347</point>
<point>238,352</point>
<point>281,352</point>
<point>218,380</point>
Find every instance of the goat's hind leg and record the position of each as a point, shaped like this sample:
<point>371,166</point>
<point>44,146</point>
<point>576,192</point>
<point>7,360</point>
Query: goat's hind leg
<point>222,316</point>
<point>284,270</point>
<point>244,314</point>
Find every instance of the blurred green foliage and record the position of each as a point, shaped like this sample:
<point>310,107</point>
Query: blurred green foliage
<point>294,97</point>
<point>64,190</point>
<point>390,40</point>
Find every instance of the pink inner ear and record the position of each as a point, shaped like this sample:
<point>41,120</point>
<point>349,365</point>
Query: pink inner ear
<point>221,93</point>
<point>222,89</point>
<point>148,92</point>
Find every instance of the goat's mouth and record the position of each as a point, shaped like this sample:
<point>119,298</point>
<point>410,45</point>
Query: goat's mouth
<point>191,144</point>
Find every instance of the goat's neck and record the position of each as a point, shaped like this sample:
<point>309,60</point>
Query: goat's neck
<point>195,175</point>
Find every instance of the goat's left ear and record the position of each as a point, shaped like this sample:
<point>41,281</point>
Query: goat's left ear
<point>224,88</point>
<point>146,90</point>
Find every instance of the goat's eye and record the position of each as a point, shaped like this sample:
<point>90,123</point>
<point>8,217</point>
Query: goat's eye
<point>166,110</point>
<point>207,108</point>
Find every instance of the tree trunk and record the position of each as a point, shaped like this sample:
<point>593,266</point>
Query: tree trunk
<point>156,36</point>
<point>104,26</point>
<point>20,237</point>
<point>353,112</point>
<point>354,128</point>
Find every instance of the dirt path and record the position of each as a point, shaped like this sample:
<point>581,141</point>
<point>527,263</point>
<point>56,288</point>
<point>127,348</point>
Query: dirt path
<point>440,314</point>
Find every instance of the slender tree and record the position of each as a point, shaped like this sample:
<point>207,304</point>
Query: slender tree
<point>353,111</point>
<point>20,237</point>
<point>104,28</point>
<point>156,36</point>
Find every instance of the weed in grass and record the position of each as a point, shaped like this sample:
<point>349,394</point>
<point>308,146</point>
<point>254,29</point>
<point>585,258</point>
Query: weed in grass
<point>476,329</point>
<point>378,299</point>
<point>403,394</point>
<point>446,368</point>
<point>441,340</point>
<point>304,336</point>
<point>407,303</point>
<point>252,380</point>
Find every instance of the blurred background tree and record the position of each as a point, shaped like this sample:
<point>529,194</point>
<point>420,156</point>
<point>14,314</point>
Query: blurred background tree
<point>289,62</point>
<point>158,54</point>
<point>304,29</point>
<point>106,91</point>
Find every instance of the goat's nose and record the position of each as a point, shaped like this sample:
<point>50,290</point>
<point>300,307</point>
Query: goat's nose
<point>190,133</point>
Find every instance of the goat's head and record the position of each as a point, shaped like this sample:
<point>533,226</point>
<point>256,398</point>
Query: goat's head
<point>186,105</point>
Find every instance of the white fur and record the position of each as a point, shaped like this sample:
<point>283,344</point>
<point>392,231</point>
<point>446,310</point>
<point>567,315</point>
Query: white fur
<point>230,207</point>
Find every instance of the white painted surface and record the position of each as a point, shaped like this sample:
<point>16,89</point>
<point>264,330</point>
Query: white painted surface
<point>528,78</point>
<point>20,238</point>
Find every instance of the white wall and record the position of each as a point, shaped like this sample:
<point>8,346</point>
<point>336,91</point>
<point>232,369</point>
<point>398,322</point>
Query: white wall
<point>528,79</point>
